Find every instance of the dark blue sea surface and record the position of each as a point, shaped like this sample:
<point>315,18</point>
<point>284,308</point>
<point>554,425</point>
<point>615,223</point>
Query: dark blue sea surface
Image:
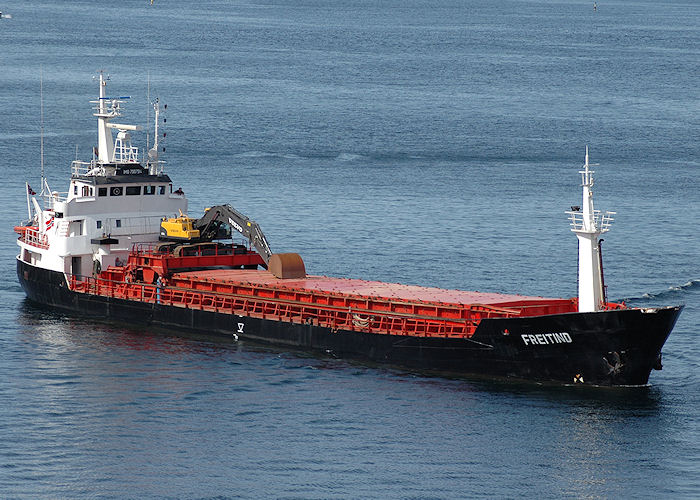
<point>424,142</point>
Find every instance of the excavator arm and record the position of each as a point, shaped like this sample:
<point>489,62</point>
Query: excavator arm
<point>209,226</point>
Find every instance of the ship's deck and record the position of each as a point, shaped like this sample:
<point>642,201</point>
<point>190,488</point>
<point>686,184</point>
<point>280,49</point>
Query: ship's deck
<point>364,288</point>
<point>335,303</point>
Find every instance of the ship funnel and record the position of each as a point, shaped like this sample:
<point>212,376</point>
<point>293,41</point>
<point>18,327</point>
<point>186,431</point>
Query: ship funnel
<point>588,224</point>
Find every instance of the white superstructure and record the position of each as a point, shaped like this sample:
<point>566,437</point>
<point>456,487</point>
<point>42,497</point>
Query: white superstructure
<point>112,203</point>
<point>588,224</point>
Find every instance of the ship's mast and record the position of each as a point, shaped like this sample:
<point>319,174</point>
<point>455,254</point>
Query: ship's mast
<point>153,152</point>
<point>105,143</point>
<point>588,224</point>
<point>106,109</point>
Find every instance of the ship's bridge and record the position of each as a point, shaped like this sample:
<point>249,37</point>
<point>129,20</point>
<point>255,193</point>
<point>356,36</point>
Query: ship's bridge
<point>94,180</point>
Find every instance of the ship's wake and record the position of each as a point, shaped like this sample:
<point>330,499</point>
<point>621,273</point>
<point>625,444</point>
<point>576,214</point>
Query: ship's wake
<point>676,293</point>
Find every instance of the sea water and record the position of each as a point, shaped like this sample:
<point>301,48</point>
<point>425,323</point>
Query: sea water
<point>423,142</point>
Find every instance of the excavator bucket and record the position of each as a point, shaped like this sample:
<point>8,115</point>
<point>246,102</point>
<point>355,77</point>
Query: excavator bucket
<point>287,265</point>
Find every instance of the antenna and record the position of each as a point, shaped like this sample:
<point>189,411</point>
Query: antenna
<point>148,109</point>
<point>41,99</point>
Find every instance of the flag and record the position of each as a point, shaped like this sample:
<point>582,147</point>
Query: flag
<point>30,191</point>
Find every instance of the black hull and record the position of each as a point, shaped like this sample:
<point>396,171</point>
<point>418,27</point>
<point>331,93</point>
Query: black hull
<point>618,347</point>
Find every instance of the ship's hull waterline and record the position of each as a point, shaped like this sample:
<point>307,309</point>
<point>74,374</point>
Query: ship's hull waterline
<point>616,347</point>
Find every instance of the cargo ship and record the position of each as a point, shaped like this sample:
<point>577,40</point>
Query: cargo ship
<point>120,244</point>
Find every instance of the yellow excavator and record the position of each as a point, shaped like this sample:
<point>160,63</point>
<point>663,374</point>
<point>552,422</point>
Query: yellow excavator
<point>217,223</point>
<point>178,229</point>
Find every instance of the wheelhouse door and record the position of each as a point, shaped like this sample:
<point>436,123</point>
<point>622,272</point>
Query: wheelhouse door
<point>75,266</point>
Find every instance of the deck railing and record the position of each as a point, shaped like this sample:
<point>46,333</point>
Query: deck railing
<point>33,237</point>
<point>408,318</point>
<point>292,311</point>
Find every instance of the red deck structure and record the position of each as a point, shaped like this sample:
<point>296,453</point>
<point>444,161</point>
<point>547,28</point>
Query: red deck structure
<point>335,303</point>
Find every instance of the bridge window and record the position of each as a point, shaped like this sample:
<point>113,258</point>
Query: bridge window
<point>149,190</point>
<point>115,191</point>
<point>118,223</point>
<point>133,190</point>
<point>161,189</point>
<point>99,224</point>
<point>86,190</point>
<point>101,191</point>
